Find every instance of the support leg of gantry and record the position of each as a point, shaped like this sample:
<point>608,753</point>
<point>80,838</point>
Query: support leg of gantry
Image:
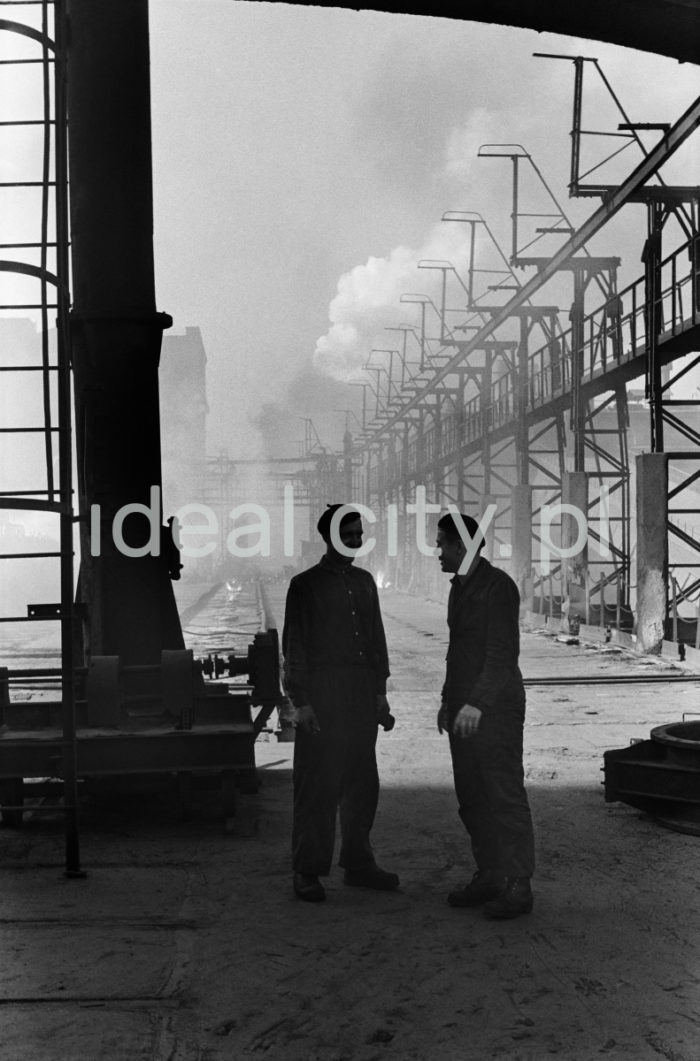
<point>652,550</point>
<point>521,503</point>
<point>574,540</point>
<point>489,501</point>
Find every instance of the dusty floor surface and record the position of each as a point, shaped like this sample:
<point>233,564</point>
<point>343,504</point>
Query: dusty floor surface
<point>186,944</point>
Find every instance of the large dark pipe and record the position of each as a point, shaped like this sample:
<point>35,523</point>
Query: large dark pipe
<point>116,333</point>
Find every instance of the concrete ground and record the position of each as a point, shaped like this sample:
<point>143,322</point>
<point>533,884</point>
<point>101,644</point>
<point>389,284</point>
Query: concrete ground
<point>185,943</point>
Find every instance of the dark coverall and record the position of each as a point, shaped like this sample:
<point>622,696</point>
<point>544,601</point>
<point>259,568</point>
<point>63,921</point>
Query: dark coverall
<point>335,659</point>
<point>482,670</point>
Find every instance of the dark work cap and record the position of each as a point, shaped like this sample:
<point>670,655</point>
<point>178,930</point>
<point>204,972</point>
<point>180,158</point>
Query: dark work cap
<point>448,526</point>
<point>324,524</point>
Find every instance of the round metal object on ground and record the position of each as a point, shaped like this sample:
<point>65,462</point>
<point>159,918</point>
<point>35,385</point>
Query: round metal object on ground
<point>681,741</point>
<point>681,744</point>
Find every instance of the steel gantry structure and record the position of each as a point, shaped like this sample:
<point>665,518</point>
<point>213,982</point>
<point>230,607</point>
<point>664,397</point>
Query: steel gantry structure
<point>509,408</point>
<point>481,414</point>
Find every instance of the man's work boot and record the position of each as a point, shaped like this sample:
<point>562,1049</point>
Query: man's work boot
<point>372,877</point>
<point>309,888</point>
<point>515,899</point>
<point>482,887</point>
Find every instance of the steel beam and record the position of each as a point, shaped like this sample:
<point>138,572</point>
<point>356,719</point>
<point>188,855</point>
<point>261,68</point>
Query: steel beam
<point>99,754</point>
<point>646,169</point>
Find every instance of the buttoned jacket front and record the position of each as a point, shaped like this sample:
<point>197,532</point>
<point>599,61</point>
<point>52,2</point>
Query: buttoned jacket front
<point>484,645</point>
<point>332,620</point>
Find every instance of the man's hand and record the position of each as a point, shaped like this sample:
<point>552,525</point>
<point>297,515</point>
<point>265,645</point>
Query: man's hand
<point>466,721</point>
<point>442,718</point>
<point>305,718</point>
<point>385,719</point>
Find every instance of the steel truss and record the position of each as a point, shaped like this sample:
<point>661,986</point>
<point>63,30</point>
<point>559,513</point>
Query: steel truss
<point>506,424</point>
<point>670,324</point>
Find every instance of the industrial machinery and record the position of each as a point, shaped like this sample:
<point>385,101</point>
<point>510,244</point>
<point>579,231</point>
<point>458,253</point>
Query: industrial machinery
<point>660,776</point>
<point>141,720</point>
<point>132,700</point>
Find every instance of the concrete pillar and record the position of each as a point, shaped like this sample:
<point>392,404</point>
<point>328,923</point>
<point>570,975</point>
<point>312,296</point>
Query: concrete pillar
<point>521,507</point>
<point>652,550</point>
<point>574,528</point>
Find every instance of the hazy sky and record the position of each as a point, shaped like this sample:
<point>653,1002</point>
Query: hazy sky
<point>303,157</point>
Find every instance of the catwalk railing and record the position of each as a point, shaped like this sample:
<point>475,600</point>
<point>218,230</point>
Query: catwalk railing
<point>615,336</point>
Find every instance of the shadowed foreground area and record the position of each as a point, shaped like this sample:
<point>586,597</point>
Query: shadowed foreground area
<point>187,943</point>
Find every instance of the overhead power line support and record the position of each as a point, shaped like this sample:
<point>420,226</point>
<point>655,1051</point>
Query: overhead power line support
<point>666,147</point>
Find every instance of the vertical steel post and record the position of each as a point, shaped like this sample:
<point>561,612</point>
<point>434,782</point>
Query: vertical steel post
<point>65,458</point>
<point>521,539</point>
<point>347,465</point>
<point>514,216</point>
<point>623,424</point>
<point>577,344</point>
<point>522,443</point>
<point>116,332</point>
<point>485,384</point>
<point>422,336</point>
<point>470,274</point>
<point>652,312</point>
<point>576,125</point>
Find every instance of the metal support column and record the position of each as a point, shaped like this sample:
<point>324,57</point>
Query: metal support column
<point>521,504</point>
<point>574,492</point>
<point>651,257</point>
<point>115,330</point>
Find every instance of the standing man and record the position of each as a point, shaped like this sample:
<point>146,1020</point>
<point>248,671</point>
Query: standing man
<point>483,712</point>
<point>336,667</point>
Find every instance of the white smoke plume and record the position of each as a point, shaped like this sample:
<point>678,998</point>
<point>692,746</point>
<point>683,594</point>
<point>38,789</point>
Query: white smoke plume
<point>368,299</point>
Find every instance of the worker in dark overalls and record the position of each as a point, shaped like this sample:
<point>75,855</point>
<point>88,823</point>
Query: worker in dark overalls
<point>335,667</point>
<point>483,712</point>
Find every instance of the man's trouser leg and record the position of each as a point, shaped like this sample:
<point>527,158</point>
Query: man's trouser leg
<point>359,792</point>
<point>500,749</point>
<point>317,772</point>
<point>473,803</point>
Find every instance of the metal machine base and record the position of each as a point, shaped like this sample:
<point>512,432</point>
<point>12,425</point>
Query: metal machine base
<point>660,776</point>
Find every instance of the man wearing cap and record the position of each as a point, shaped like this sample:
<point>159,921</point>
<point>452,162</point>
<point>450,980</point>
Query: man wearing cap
<point>483,712</point>
<point>336,667</point>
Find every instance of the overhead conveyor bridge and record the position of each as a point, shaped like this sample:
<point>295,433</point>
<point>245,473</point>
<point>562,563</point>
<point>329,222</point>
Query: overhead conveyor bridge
<point>511,410</point>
